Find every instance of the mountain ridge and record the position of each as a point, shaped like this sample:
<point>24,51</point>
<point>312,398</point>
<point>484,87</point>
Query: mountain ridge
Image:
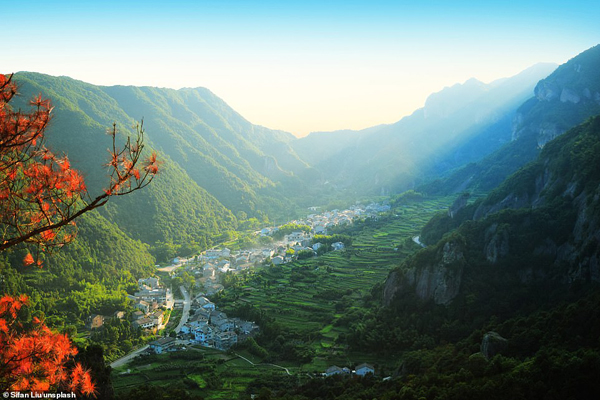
<point>565,98</point>
<point>394,157</point>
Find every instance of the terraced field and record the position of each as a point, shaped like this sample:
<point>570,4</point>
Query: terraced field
<point>206,372</point>
<point>308,297</point>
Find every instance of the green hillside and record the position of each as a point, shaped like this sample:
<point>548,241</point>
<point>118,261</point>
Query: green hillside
<point>90,275</point>
<point>214,163</point>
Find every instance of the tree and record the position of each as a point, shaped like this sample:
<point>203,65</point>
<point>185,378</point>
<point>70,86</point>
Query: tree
<point>40,194</point>
<point>32,357</point>
<point>40,197</point>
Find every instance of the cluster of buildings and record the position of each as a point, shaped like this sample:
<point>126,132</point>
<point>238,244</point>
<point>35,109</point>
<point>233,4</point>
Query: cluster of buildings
<point>212,328</point>
<point>208,267</point>
<point>150,301</point>
<point>320,222</point>
<point>360,370</point>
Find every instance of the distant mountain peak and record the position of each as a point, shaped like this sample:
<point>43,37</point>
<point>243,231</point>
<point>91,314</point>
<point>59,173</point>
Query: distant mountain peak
<point>473,82</point>
<point>450,99</point>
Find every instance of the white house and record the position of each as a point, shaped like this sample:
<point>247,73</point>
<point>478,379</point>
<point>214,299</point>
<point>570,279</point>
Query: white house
<point>225,268</point>
<point>142,306</point>
<point>298,247</point>
<point>333,370</point>
<point>294,237</point>
<point>364,369</point>
<point>143,323</point>
<point>320,230</point>
<point>267,252</point>
<point>277,260</point>
<point>196,321</point>
<point>206,303</point>
<point>316,246</point>
<point>153,283</point>
<point>157,317</point>
<point>224,340</point>
<point>222,324</point>
<point>245,327</point>
<point>162,344</point>
<point>137,315</point>
<point>203,334</point>
<point>213,253</point>
<point>337,246</point>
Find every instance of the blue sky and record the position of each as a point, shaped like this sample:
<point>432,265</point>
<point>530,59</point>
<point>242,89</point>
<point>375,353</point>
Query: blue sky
<point>297,66</point>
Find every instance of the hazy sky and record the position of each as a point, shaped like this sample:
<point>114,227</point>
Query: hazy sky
<point>298,66</point>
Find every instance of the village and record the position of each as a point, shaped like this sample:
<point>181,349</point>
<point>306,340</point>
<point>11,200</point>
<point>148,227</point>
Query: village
<point>151,302</point>
<point>201,323</point>
<point>209,266</point>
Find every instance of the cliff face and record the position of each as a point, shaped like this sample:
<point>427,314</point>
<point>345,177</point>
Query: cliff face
<point>563,99</point>
<point>498,245</point>
<point>438,280</point>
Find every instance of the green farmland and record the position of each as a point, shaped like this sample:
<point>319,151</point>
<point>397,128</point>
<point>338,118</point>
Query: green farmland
<point>311,300</point>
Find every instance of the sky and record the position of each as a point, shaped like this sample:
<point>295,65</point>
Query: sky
<point>296,66</point>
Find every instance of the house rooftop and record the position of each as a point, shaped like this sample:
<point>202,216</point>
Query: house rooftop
<point>163,341</point>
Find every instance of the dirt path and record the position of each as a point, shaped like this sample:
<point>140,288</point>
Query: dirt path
<point>254,364</point>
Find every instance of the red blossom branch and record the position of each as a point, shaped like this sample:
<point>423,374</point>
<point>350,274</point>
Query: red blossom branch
<point>40,194</point>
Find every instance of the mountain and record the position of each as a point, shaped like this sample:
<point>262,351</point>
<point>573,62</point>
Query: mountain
<point>567,97</point>
<point>215,162</point>
<point>460,124</point>
<point>541,225</point>
<point>500,304</point>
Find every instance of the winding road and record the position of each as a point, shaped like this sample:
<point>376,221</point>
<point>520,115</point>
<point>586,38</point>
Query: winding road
<point>186,309</point>
<point>124,360</point>
<point>184,317</point>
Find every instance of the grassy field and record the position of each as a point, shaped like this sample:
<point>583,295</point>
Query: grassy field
<point>308,299</point>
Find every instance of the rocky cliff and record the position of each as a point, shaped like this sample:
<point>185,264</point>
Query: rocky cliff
<point>438,280</point>
<point>564,98</point>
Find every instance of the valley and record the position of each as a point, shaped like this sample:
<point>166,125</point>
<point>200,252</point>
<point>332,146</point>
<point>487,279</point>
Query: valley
<point>452,254</point>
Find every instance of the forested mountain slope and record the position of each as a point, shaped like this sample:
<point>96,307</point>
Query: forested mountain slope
<point>541,225</point>
<point>522,262</point>
<point>500,305</point>
<point>215,163</point>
